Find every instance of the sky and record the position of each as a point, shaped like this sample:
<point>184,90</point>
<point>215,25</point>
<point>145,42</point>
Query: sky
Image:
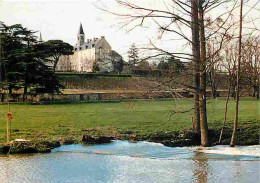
<point>60,19</point>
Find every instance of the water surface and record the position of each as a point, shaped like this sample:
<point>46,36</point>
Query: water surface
<point>122,161</point>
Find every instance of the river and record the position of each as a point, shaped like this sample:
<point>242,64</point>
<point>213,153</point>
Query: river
<point>122,161</point>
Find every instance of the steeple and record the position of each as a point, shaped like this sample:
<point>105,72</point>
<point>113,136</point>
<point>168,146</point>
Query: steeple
<point>81,29</point>
<point>40,38</point>
<point>81,36</point>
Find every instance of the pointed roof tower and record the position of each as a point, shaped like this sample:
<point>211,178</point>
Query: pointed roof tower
<point>80,36</point>
<point>40,38</point>
<point>81,29</point>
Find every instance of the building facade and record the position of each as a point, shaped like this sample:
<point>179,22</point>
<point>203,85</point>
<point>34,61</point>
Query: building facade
<point>96,51</point>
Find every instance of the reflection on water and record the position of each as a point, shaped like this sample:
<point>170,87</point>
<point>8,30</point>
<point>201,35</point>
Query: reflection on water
<point>201,167</point>
<point>122,161</point>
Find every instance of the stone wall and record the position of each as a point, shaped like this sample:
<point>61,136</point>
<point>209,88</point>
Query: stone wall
<point>64,63</point>
<point>102,96</point>
<point>83,60</point>
<point>85,97</point>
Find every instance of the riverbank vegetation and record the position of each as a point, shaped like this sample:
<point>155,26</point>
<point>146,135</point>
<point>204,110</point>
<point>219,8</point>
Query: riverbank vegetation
<point>149,120</point>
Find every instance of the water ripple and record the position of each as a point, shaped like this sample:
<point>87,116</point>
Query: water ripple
<point>122,161</point>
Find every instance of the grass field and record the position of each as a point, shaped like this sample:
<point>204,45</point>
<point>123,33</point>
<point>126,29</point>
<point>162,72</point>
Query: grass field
<point>142,117</point>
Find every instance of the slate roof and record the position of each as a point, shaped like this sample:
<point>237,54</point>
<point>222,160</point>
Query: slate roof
<point>81,29</point>
<point>115,54</point>
<point>88,45</point>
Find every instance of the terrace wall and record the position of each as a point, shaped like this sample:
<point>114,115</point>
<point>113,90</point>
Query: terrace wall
<point>103,96</point>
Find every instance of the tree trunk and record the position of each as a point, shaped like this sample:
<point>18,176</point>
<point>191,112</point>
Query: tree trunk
<point>233,91</point>
<point>202,95</point>
<point>256,92</point>
<point>10,88</point>
<point>196,61</point>
<point>24,92</point>
<point>225,115</point>
<point>54,66</point>
<point>1,60</point>
<point>55,63</point>
<point>232,142</point>
<point>213,84</point>
<point>25,86</point>
<point>2,97</point>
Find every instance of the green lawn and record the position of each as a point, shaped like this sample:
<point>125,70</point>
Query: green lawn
<point>141,118</point>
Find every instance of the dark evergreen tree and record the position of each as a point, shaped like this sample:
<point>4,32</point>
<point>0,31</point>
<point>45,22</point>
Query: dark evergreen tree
<point>54,49</point>
<point>22,61</point>
<point>171,65</point>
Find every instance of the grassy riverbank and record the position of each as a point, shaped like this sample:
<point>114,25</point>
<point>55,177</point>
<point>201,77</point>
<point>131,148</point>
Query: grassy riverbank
<point>142,118</point>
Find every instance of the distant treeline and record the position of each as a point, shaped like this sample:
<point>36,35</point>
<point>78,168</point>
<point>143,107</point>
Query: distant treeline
<point>60,74</point>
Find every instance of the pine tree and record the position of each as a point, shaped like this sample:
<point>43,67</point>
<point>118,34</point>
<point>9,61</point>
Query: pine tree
<point>22,60</point>
<point>133,57</point>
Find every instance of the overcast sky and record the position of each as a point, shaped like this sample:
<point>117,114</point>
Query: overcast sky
<point>60,19</point>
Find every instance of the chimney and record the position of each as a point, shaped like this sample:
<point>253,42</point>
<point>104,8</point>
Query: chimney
<point>102,37</point>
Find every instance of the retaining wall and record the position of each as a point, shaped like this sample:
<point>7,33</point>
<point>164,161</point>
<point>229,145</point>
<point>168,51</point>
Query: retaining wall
<point>101,96</point>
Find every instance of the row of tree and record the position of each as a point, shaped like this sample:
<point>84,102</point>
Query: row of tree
<point>166,64</point>
<point>211,39</point>
<point>221,67</point>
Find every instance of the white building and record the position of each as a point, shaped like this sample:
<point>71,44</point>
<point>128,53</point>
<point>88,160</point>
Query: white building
<point>87,54</point>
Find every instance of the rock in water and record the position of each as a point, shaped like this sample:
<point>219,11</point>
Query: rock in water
<point>4,149</point>
<point>132,138</point>
<point>87,139</point>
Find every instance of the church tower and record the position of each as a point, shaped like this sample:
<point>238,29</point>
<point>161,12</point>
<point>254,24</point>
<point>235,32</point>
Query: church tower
<point>81,36</point>
<point>40,38</point>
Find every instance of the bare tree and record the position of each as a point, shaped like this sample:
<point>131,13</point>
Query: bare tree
<point>232,143</point>
<point>175,18</point>
<point>196,62</point>
<point>250,64</point>
<point>202,94</point>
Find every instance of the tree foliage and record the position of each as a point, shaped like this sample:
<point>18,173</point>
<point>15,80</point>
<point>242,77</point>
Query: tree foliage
<point>133,57</point>
<point>144,65</point>
<point>54,49</point>
<point>22,61</point>
<point>171,65</point>
<point>96,67</point>
<point>118,62</point>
